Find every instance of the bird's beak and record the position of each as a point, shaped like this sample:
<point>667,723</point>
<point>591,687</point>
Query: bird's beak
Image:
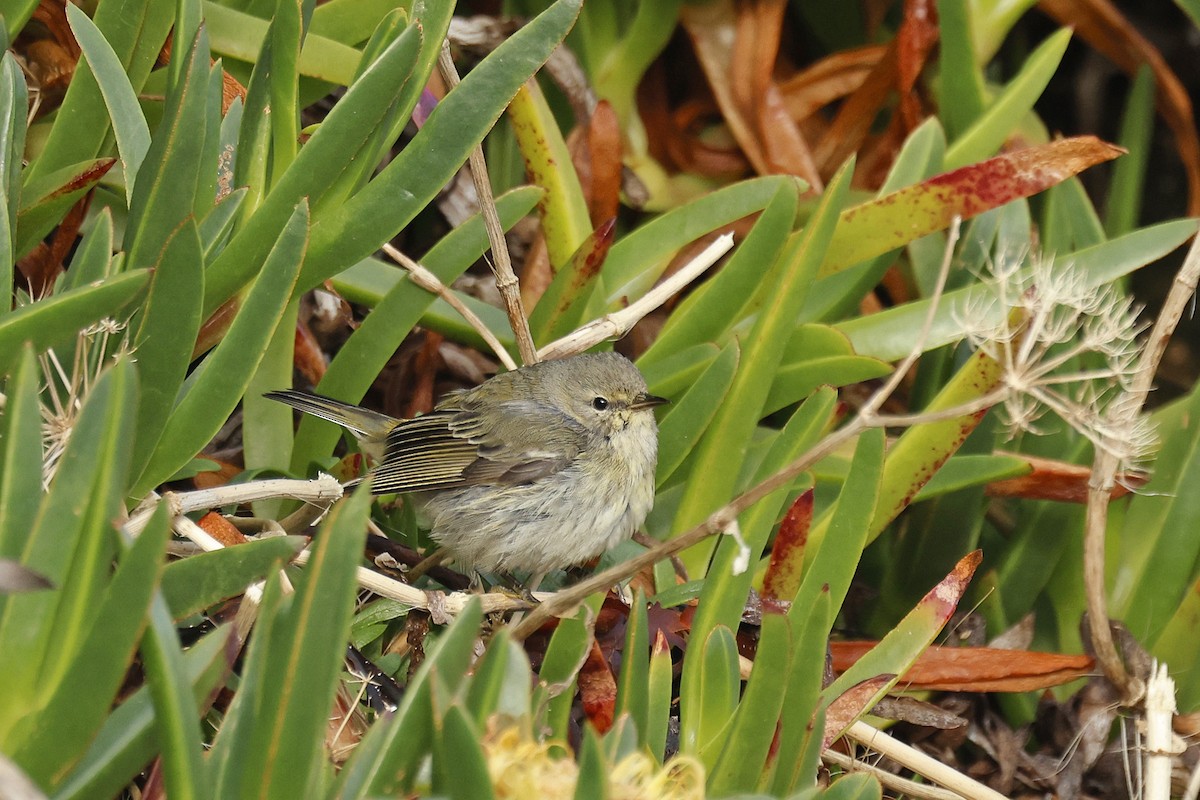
<point>645,400</point>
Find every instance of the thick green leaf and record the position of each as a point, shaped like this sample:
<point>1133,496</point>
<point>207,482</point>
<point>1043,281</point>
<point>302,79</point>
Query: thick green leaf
<point>166,335</point>
<point>128,739</point>
<point>633,682</point>
<point>458,758</point>
<point>14,102</point>
<point>989,131</point>
<point>124,113</point>
<point>215,387</point>
<point>1125,193</point>
<point>93,259</point>
<point>280,739</point>
<point>135,30</point>
<point>709,691</point>
<point>178,726</point>
<point>818,355</point>
<point>240,35</point>
<point>52,740</point>
<point>707,313</point>
<point>740,764</point>
<point>659,697</point>
<point>592,781</point>
<point>798,755</point>
<point>636,262</point>
<point>961,99</point>
<point>720,453</point>
<point>45,201</point>
<point>20,456</point>
<point>71,543</point>
<point>688,416</point>
<point>355,229</point>
<point>193,584</point>
<point>564,657</point>
<point>325,156</point>
<point>890,335</point>
<point>165,195</point>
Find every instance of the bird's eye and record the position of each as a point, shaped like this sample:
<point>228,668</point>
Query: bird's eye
<point>599,403</point>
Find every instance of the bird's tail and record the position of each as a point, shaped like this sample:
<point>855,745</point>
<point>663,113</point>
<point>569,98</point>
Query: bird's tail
<point>362,422</point>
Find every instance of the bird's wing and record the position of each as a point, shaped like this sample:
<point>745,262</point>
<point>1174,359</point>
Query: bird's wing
<point>453,448</point>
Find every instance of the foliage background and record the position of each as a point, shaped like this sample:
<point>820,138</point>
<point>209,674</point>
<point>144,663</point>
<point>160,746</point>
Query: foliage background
<point>168,212</point>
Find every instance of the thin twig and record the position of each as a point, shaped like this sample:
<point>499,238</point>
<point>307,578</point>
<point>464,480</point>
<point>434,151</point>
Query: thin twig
<point>902,787</point>
<point>619,323</point>
<point>1104,469</point>
<point>422,277</point>
<point>506,279</point>
<point>920,763</point>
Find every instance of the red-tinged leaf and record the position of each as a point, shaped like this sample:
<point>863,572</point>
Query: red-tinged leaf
<point>1060,481</point>
<point>785,570</point>
<point>915,39</point>
<point>603,184</point>
<point>943,599</point>
<point>976,669</point>
<point>598,690</point>
<point>851,705</point>
<point>875,227</point>
<point>213,329</point>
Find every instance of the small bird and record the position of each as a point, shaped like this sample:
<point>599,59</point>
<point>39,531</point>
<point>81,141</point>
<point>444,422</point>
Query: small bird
<point>537,469</point>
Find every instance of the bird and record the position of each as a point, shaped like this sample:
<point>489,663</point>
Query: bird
<point>541,468</point>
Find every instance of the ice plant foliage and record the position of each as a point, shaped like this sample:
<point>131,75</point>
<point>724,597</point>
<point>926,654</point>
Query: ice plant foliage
<point>1067,347</point>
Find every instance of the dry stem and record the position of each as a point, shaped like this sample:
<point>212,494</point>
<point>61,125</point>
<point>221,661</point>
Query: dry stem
<point>506,280</point>
<point>1104,469</point>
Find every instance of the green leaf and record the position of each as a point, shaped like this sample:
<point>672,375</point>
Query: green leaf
<point>889,335</point>
<point>45,201</point>
<point>689,416</point>
<point>135,30</point>
<point>183,770</point>
<point>961,99</point>
<point>637,261</point>
<point>569,645</point>
<point>52,740</point>
<point>592,781</point>
<point>989,131</point>
<point>240,35</point>
<point>707,314</point>
<point>56,321</point>
<point>20,455</point>
<point>14,102</point>
<point>563,210</point>
<point>817,355</point>
<point>1129,175</point>
<point>129,124</point>
<point>330,152</point>
<point>720,453</point>
<point>355,229</point>
<point>93,259</point>
<point>659,697</point>
<point>165,195</point>
<point>458,758</point>
<point>740,764</point>
<point>293,677</point>
<point>633,682</point>
<point>800,726</point>
<point>193,584</point>
<point>128,739</point>
<point>166,335</point>
<point>72,544</point>
<point>709,691</point>
<point>215,387</point>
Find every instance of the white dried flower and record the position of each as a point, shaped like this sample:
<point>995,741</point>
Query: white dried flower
<point>1066,346</point>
